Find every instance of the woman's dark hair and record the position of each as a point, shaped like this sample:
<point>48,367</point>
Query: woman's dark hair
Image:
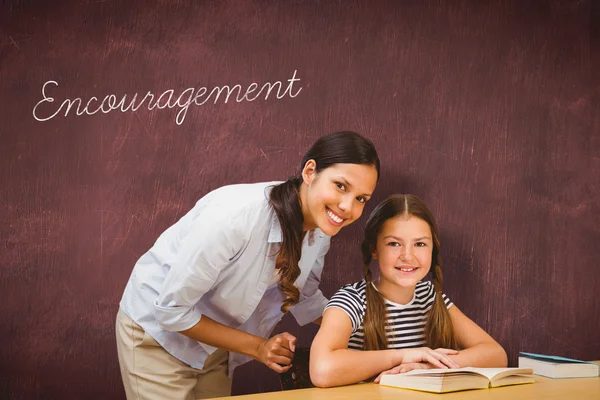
<point>438,328</point>
<point>344,147</point>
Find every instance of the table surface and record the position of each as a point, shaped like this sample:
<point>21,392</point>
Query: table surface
<point>543,388</point>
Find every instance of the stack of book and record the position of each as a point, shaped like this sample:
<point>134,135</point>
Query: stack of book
<point>558,367</point>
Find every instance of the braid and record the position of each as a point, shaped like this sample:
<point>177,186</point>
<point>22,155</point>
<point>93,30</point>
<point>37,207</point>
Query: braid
<point>289,274</point>
<point>439,331</point>
<point>374,323</point>
<point>438,278</point>
<point>285,200</point>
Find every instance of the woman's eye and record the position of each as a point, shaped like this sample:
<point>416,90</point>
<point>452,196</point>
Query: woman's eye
<point>340,185</point>
<point>420,244</point>
<point>393,244</point>
<point>361,199</point>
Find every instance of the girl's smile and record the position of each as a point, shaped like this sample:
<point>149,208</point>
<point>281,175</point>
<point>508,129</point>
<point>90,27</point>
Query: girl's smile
<point>406,269</point>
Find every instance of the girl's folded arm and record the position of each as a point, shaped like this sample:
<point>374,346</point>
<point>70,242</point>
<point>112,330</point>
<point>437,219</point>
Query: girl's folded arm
<point>479,348</point>
<point>333,364</point>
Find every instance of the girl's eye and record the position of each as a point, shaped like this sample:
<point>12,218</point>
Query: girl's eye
<point>393,244</point>
<point>420,244</point>
<point>361,199</point>
<point>340,185</point>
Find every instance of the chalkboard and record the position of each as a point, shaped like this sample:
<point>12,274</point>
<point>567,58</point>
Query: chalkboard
<point>117,116</point>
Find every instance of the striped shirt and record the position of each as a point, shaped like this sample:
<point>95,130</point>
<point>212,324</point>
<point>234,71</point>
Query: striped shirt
<point>406,322</point>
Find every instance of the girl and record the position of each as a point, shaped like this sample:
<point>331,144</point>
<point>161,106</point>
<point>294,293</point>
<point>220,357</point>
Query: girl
<point>393,317</point>
<point>221,278</point>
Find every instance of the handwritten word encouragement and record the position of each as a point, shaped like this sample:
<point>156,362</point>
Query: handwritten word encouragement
<point>167,99</point>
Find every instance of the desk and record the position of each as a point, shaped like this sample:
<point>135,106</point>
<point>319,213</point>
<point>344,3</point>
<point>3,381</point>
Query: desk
<point>543,388</point>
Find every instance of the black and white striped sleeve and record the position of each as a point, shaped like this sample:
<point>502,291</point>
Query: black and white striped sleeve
<point>447,301</point>
<point>428,290</point>
<point>348,300</point>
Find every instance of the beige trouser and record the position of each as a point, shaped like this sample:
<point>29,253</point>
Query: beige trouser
<point>150,372</point>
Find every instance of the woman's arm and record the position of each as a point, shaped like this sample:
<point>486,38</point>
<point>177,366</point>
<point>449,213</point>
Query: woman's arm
<point>480,349</point>
<point>333,364</point>
<point>271,352</point>
<point>211,241</point>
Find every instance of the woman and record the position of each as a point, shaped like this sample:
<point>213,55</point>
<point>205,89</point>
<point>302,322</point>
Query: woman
<point>220,279</point>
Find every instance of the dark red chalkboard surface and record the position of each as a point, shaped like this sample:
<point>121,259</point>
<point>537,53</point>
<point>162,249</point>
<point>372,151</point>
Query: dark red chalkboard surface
<point>488,110</point>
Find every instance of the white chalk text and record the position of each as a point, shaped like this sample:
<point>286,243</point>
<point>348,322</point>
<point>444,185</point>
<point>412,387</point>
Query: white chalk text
<point>167,99</point>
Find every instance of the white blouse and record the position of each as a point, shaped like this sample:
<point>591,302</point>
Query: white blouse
<point>219,260</point>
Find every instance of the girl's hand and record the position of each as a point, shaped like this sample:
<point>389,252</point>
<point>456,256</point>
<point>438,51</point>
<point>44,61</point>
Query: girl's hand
<point>438,357</point>
<point>277,352</point>
<point>402,368</point>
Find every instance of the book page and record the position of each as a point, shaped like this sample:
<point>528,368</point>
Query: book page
<point>490,373</point>
<point>499,373</point>
<point>512,380</point>
<point>440,371</point>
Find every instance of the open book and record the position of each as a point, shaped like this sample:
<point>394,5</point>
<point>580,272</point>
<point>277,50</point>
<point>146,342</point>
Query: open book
<point>558,367</point>
<point>454,379</point>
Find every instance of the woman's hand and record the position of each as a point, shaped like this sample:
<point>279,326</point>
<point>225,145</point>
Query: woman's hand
<point>438,357</point>
<point>402,368</point>
<point>277,352</point>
